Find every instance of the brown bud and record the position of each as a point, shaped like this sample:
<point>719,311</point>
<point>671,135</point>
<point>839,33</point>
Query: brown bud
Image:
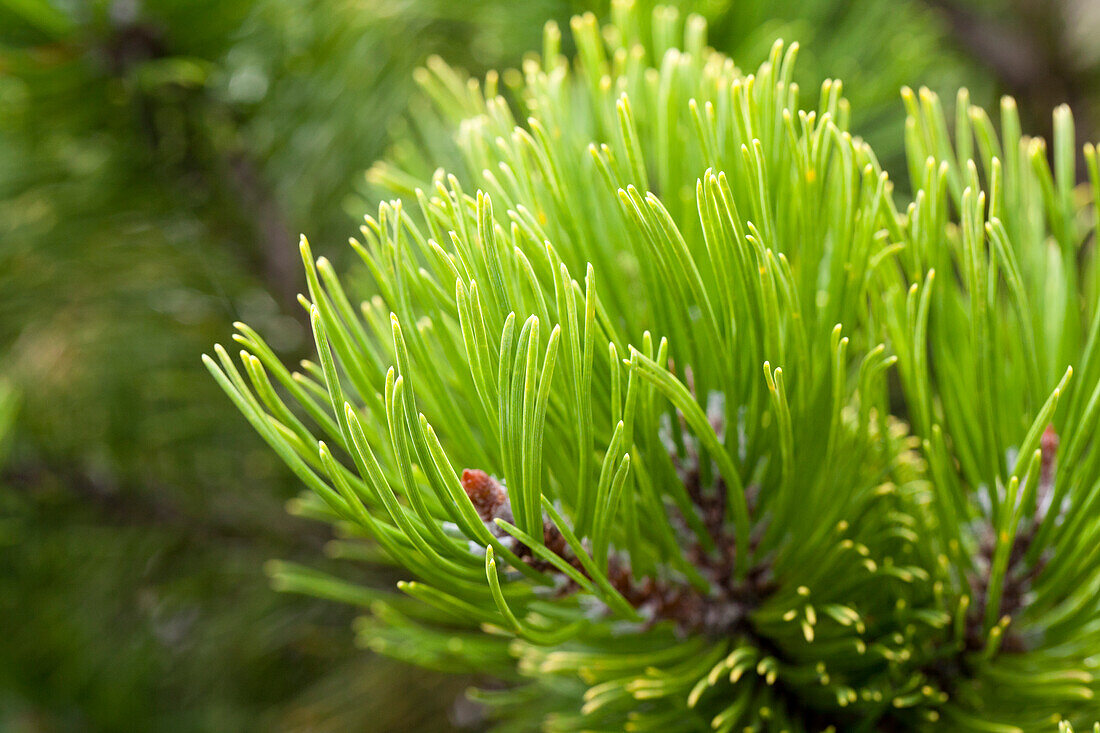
<point>485,493</point>
<point>1048,446</point>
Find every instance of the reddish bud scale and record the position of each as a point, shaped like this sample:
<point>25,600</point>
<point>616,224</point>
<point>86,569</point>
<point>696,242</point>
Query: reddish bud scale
<point>1048,445</point>
<point>485,493</point>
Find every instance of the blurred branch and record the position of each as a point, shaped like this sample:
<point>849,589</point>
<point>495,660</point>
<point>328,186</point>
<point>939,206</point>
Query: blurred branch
<point>275,243</point>
<point>133,43</point>
<point>151,506</point>
<point>1025,47</point>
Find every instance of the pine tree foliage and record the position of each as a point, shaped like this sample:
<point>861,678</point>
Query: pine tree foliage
<point>154,157</point>
<point>682,419</point>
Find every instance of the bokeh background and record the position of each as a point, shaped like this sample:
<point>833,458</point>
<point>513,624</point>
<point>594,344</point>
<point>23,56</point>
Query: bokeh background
<point>157,160</point>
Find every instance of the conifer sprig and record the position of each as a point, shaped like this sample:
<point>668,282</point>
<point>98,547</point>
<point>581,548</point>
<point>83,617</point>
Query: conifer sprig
<point>552,411</point>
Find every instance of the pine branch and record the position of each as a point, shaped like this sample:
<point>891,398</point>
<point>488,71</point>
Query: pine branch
<point>551,412</point>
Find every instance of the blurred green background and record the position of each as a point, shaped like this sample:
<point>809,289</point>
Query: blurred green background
<point>157,160</point>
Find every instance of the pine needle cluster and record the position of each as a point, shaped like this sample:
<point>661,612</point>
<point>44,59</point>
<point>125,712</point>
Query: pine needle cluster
<point>682,418</point>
